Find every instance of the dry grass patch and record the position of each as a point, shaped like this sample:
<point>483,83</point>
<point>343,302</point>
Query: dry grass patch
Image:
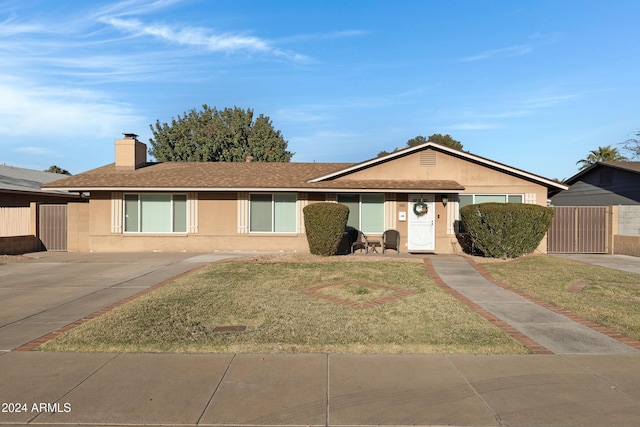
<point>266,295</point>
<point>355,291</point>
<point>607,297</point>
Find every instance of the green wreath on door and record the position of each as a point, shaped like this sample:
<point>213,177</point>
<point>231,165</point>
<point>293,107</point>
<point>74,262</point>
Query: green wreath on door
<point>420,208</point>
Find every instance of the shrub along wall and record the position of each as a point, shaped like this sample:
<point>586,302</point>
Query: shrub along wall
<point>325,224</point>
<point>506,229</point>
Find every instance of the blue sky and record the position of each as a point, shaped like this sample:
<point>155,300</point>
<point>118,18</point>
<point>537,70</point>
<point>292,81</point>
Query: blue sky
<point>533,84</point>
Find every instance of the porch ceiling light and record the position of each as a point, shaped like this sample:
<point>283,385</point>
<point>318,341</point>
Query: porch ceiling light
<point>445,200</point>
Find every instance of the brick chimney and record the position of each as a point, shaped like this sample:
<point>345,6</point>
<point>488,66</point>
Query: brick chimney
<point>130,153</point>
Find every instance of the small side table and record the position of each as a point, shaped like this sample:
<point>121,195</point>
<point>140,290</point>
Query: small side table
<point>373,244</point>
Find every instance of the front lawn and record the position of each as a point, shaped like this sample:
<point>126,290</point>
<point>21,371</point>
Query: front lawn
<point>281,313</point>
<point>607,297</point>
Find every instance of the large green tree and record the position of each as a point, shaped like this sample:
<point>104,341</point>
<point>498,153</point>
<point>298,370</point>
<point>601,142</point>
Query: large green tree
<point>602,154</point>
<point>210,135</point>
<point>436,137</point>
<point>56,169</point>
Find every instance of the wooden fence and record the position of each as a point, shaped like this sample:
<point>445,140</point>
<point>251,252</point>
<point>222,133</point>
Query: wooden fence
<point>15,222</point>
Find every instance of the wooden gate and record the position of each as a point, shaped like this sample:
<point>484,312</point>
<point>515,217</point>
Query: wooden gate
<point>578,229</point>
<point>52,227</point>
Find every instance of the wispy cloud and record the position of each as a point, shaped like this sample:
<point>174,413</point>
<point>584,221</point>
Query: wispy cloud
<point>9,28</point>
<point>477,125</point>
<point>34,151</point>
<point>191,36</point>
<point>95,44</point>
<point>500,114</point>
<point>302,115</point>
<point>133,7</point>
<point>59,111</point>
<point>331,35</point>
<point>199,37</point>
<point>517,50</point>
<point>534,41</point>
<point>543,101</point>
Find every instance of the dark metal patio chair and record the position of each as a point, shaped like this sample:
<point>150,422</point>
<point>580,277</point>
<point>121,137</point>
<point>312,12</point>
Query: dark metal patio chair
<point>358,240</point>
<point>391,240</point>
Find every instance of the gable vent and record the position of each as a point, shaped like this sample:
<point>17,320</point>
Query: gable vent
<point>428,158</point>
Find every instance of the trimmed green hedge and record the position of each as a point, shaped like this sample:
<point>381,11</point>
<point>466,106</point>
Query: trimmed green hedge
<point>325,224</point>
<point>506,229</point>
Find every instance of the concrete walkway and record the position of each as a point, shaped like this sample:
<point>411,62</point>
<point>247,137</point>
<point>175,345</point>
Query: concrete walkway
<point>553,331</point>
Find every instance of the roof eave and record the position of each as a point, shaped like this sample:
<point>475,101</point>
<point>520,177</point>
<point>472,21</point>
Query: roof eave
<point>266,189</point>
<point>53,192</point>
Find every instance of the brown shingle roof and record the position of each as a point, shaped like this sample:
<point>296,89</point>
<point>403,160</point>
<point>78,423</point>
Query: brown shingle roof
<point>218,175</point>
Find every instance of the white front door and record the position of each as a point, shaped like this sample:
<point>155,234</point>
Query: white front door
<point>422,225</point>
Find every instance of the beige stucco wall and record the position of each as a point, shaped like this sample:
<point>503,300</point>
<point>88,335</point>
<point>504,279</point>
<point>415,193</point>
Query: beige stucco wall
<point>78,227</point>
<point>476,178</point>
<point>217,231</point>
<point>219,215</point>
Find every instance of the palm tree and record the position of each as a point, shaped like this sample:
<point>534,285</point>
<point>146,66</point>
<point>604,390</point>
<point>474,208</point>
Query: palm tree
<point>602,154</point>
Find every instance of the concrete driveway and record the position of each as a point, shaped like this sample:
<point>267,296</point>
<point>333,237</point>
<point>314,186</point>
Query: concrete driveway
<point>617,262</point>
<point>54,289</point>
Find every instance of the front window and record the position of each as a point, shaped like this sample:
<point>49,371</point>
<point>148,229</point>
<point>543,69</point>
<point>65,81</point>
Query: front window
<point>366,211</point>
<point>155,213</point>
<point>272,213</point>
<point>473,199</point>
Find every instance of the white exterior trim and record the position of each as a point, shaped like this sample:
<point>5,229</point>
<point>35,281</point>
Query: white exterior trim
<point>301,202</point>
<point>243,213</point>
<point>192,212</point>
<point>453,213</point>
<point>117,212</point>
<point>390,211</point>
<point>530,198</point>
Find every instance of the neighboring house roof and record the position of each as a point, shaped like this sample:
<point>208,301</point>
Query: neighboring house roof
<point>626,166</point>
<point>273,176</point>
<point>602,184</point>
<point>19,180</point>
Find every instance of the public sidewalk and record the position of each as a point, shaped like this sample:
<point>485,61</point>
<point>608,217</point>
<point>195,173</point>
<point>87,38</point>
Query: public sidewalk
<point>320,389</point>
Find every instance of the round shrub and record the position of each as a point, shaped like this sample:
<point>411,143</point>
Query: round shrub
<point>325,224</point>
<point>506,229</point>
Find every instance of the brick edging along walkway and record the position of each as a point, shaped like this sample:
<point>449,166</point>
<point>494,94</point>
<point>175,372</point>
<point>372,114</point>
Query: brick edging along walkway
<point>523,339</point>
<point>576,318</point>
